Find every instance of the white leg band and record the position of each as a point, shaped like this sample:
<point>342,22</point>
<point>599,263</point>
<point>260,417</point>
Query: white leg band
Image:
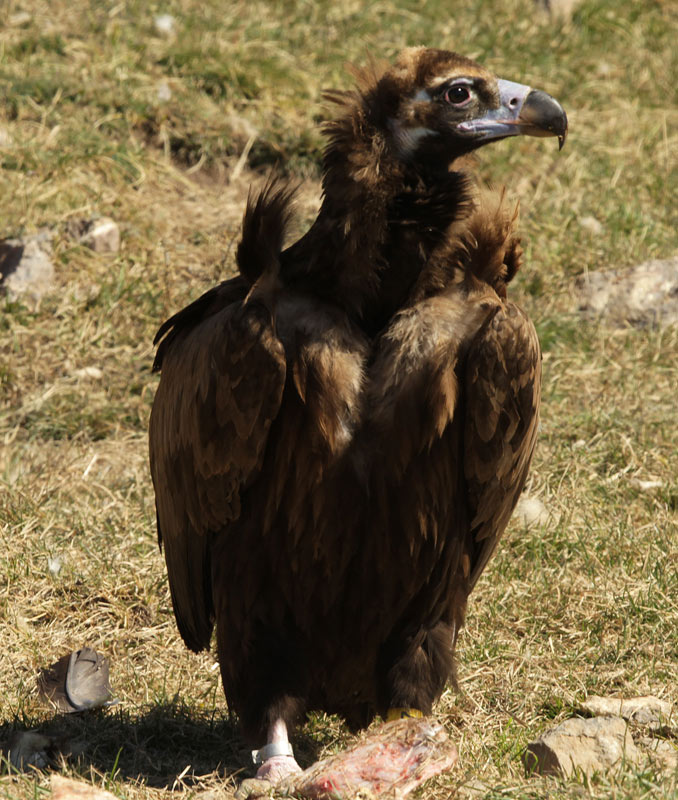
<point>270,750</point>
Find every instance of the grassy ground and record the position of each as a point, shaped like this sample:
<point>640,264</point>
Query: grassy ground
<point>101,114</point>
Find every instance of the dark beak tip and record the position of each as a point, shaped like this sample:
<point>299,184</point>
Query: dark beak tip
<point>544,112</point>
<point>564,127</point>
<point>562,134</point>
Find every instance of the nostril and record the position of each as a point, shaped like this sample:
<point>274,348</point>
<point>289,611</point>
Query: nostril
<point>512,95</point>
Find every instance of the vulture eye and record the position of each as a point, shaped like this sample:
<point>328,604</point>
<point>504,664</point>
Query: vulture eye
<point>458,95</point>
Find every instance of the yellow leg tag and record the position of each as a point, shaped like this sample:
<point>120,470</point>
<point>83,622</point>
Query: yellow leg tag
<point>403,713</point>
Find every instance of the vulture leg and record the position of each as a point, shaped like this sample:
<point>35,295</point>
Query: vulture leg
<point>276,759</point>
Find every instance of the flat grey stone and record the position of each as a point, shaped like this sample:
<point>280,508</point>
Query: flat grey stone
<point>26,266</point>
<point>649,710</point>
<point>662,751</point>
<point>642,296</point>
<point>586,745</point>
<point>78,681</point>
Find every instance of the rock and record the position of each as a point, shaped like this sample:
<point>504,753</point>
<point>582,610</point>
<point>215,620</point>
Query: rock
<point>649,711</point>
<point>163,92</point>
<point>26,267</point>
<point>29,749</point>
<point>646,486</point>
<point>589,745</point>
<point>642,296</point>
<point>664,753</point>
<point>559,9</point>
<point>67,789</point>
<point>530,511</point>
<point>54,565</point>
<point>592,226</point>
<point>89,372</point>
<point>164,24</point>
<point>102,235</point>
<point>78,681</point>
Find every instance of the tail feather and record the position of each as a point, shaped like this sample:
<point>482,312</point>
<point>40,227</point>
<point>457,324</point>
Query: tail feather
<point>267,218</point>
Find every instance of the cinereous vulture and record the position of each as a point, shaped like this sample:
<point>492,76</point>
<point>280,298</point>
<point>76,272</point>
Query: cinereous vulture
<point>341,432</point>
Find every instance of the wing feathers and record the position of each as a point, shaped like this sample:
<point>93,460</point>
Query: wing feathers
<point>221,387</point>
<point>503,381</point>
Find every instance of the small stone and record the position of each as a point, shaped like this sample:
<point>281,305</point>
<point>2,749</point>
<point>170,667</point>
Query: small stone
<point>663,752</point>
<point>26,267</point>
<point>645,486</point>
<point>78,681</point>
<point>163,92</point>
<point>29,749</point>
<point>54,565</point>
<point>164,24</point>
<point>67,789</point>
<point>588,745</point>
<point>89,372</point>
<point>559,9</point>
<point>649,711</point>
<point>102,236</point>
<point>591,225</point>
<point>20,19</point>
<point>530,511</point>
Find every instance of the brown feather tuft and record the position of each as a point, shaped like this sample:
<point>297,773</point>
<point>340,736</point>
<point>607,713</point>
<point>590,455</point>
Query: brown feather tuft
<point>265,224</point>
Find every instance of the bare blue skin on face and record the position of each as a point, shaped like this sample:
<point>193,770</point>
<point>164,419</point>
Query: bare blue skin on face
<point>519,107</point>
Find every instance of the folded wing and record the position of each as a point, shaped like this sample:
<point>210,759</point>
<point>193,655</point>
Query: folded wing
<point>503,379</point>
<point>223,374</point>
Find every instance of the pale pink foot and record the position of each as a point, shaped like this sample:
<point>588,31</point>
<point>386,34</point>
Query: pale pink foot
<point>270,774</point>
<point>279,765</point>
<point>276,768</point>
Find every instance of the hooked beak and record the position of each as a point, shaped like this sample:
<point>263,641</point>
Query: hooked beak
<point>522,110</point>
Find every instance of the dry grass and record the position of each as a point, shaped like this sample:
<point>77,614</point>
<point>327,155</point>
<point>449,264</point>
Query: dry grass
<point>586,603</point>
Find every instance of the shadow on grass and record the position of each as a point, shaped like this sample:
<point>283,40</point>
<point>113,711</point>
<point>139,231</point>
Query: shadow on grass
<point>158,747</point>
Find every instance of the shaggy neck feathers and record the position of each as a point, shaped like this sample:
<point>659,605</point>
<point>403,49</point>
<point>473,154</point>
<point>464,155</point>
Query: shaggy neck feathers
<point>381,218</point>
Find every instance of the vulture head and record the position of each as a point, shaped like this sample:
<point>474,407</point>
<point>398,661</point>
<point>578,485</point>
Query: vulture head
<point>435,104</point>
<point>395,180</point>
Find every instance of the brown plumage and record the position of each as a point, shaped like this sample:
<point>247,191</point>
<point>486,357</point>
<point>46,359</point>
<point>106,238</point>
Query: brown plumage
<point>341,432</point>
